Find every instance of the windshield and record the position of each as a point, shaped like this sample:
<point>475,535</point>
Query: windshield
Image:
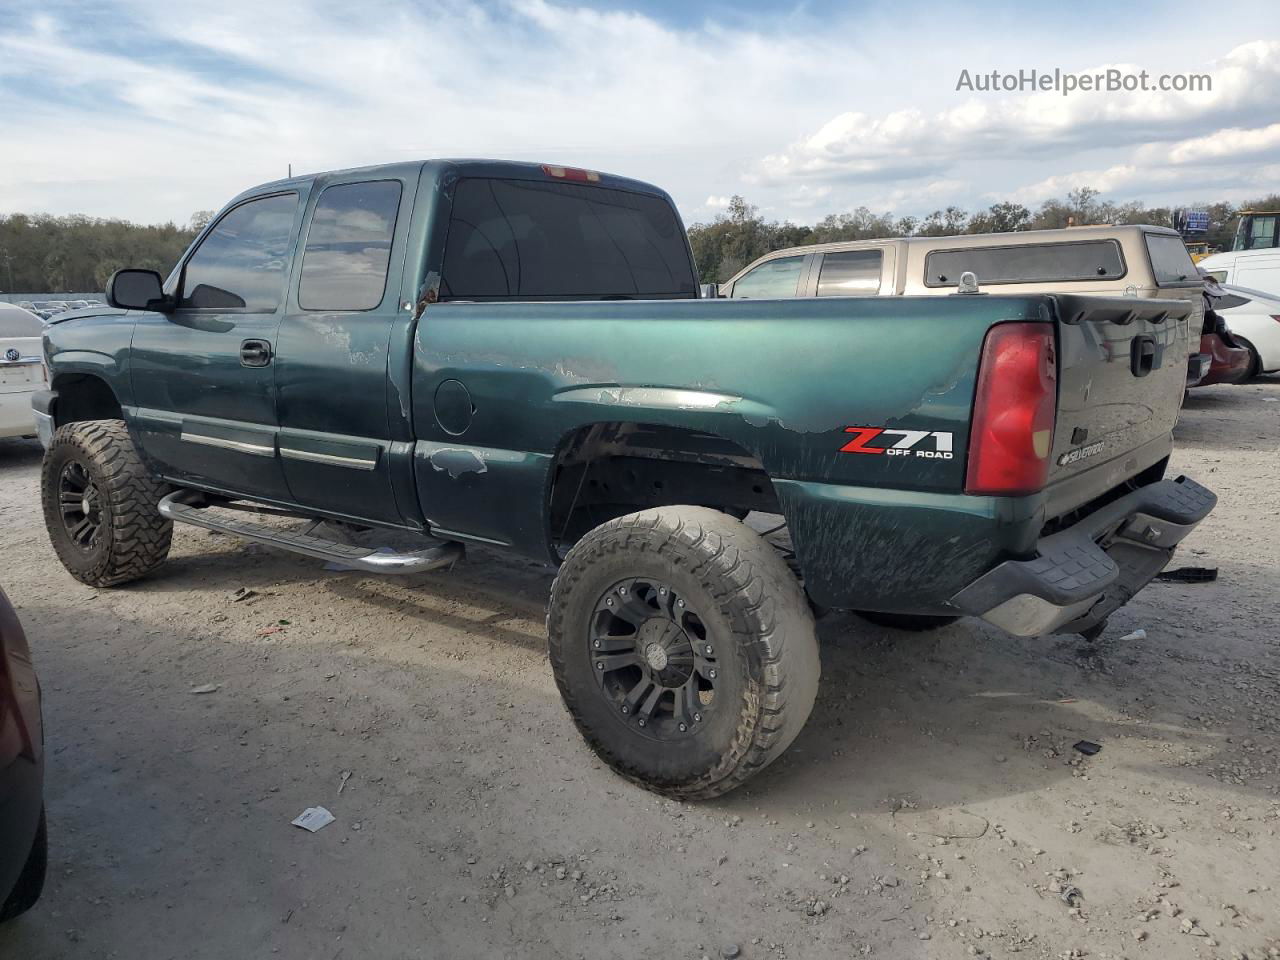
<point>527,240</point>
<point>16,322</point>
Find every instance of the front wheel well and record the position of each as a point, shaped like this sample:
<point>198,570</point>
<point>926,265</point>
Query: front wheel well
<point>82,396</point>
<point>607,470</point>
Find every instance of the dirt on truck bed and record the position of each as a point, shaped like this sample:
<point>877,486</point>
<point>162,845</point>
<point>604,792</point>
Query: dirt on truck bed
<point>936,805</point>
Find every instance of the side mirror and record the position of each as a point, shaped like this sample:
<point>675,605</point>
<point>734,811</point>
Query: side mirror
<point>708,291</point>
<point>137,290</point>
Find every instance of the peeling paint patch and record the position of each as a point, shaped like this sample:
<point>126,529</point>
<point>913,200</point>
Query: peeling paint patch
<point>457,460</point>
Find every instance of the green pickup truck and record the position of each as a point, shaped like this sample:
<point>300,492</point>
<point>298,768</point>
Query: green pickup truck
<point>515,355</point>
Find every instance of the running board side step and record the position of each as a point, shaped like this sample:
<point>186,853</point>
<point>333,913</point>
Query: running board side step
<point>189,506</point>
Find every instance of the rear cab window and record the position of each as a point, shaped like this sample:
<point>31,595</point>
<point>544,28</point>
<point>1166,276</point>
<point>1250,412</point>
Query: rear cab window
<point>1171,264</point>
<point>1069,261</point>
<point>529,240</point>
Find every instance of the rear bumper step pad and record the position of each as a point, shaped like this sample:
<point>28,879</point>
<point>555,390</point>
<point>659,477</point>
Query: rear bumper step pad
<point>1082,574</point>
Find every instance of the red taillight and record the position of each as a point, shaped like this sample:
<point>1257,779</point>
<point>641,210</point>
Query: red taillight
<point>1011,436</point>
<point>571,173</point>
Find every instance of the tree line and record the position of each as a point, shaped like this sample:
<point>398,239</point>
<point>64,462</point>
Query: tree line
<point>739,235</point>
<point>47,254</point>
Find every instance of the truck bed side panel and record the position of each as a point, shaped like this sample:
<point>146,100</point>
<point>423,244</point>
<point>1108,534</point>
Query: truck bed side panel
<point>785,380</point>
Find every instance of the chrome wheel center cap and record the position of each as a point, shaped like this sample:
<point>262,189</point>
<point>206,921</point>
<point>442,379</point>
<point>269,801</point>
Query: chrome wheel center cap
<point>656,657</point>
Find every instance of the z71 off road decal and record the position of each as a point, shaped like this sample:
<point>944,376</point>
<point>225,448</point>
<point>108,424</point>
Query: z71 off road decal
<point>930,444</point>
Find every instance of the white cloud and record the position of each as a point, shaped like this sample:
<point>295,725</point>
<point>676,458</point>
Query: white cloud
<point>804,114</point>
<point>1222,160</point>
<point>1229,145</point>
<point>908,143</point>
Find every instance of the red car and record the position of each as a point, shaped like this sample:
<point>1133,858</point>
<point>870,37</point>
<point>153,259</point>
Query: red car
<point>23,845</point>
<point>1228,361</point>
<point>1221,359</point>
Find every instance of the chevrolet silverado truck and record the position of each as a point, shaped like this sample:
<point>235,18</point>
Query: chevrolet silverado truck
<point>516,356</point>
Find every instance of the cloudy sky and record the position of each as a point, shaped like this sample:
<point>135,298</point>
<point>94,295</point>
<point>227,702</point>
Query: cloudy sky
<point>152,109</point>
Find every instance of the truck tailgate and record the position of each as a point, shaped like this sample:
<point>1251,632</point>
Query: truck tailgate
<point>1122,366</point>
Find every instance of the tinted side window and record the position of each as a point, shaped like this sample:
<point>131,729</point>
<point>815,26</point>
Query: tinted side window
<point>770,280</point>
<point>344,265</point>
<point>850,273</point>
<point>240,264</point>
<point>1170,261</point>
<point>531,240</point>
<point>1033,263</point>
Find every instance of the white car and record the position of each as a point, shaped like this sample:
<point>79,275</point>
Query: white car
<point>1254,320</point>
<point>21,369</point>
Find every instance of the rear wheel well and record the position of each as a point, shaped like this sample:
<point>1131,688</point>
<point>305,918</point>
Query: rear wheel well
<point>82,396</point>
<point>607,470</point>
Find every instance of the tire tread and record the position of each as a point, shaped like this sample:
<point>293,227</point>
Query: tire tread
<point>140,536</point>
<point>756,592</point>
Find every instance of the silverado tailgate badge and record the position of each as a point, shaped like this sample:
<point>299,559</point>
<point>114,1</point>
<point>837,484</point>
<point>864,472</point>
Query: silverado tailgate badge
<point>1081,453</point>
<point>907,443</point>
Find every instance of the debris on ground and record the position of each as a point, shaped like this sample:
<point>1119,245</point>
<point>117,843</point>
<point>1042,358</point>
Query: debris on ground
<point>944,824</point>
<point>1189,575</point>
<point>313,819</point>
<point>206,688</point>
<point>1138,634</point>
<point>1087,747</point>
<point>342,780</point>
<point>243,593</point>
<point>1071,895</point>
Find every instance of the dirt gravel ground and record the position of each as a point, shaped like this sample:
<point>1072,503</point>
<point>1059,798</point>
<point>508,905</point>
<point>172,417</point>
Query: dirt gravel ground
<point>933,807</point>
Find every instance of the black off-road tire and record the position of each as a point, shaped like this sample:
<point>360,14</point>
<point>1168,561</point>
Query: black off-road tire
<point>752,611</point>
<point>31,881</point>
<point>132,538</point>
<point>914,622</point>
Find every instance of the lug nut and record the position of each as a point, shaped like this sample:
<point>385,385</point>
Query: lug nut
<point>599,665</point>
<point>641,721</point>
<point>595,643</point>
<point>662,591</point>
<point>708,650</point>
<point>625,708</point>
<point>711,674</point>
<point>697,718</point>
<point>623,591</point>
<point>683,727</point>
<point>679,603</point>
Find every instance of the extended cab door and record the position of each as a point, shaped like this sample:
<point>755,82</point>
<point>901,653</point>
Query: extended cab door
<point>863,272</point>
<point>343,445</point>
<point>203,375</point>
